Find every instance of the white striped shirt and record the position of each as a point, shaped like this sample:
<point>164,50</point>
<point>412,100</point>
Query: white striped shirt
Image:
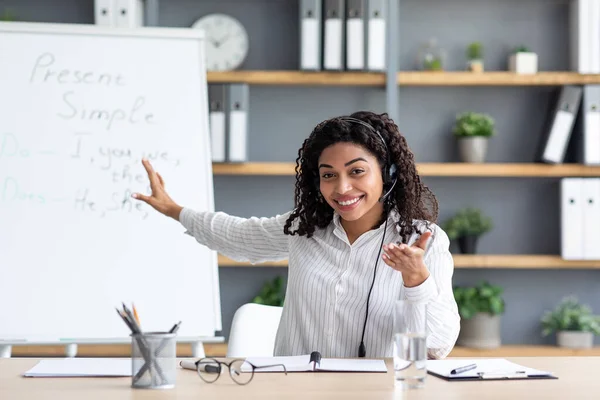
<point>329,280</point>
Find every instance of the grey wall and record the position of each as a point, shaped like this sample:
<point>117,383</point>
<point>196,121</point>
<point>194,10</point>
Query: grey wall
<point>525,211</point>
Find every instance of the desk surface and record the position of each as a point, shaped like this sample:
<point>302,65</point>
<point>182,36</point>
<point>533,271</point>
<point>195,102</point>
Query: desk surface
<point>578,379</point>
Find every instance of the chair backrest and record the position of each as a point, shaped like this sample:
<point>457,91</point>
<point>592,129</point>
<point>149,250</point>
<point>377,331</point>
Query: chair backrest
<point>253,331</point>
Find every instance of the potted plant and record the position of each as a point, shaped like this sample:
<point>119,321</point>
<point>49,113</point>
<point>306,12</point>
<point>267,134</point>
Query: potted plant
<point>467,225</point>
<point>473,131</point>
<point>480,308</point>
<point>8,15</point>
<point>523,61</point>
<point>475,57</point>
<point>431,57</point>
<point>573,323</point>
<point>272,293</point>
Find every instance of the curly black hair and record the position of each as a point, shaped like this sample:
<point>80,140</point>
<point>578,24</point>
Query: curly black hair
<point>411,199</point>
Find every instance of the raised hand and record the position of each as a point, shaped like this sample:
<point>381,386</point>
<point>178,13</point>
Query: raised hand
<point>159,199</point>
<point>408,260</point>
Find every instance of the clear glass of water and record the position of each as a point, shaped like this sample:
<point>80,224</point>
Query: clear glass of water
<point>410,349</point>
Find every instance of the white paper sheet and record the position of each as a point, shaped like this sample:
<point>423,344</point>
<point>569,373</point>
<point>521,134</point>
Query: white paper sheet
<point>77,367</point>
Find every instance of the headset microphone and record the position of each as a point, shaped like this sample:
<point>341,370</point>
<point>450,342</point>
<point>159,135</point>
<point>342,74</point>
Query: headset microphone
<point>382,198</point>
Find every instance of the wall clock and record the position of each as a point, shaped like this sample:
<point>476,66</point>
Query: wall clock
<point>226,41</point>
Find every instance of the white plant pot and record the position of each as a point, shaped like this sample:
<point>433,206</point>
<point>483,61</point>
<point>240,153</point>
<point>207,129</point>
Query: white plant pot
<point>473,149</point>
<point>574,339</point>
<point>523,63</point>
<point>482,331</point>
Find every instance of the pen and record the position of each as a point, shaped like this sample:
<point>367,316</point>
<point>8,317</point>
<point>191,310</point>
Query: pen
<point>460,370</point>
<point>175,327</point>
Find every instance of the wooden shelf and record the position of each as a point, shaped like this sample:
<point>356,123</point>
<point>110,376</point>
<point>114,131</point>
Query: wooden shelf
<point>108,350</point>
<point>228,262</point>
<point>220,350</point>
<point>477,261</point>
<point>524,351</point>
<point>524,261</point>
<point>298,78</point>
<point>404,78</point>
<point>431,169</point>
<point>494,78</point>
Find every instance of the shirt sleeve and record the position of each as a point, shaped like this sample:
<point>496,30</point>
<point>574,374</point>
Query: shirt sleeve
<point>242,239</point>
<point>443,320</point>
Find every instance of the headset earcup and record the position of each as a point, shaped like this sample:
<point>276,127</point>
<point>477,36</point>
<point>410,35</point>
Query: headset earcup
<point>392,173</point>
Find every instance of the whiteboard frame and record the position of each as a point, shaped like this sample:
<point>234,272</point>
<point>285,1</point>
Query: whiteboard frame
<point>140,32</point>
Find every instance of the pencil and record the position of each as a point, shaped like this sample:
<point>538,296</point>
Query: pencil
<point>135,314</point>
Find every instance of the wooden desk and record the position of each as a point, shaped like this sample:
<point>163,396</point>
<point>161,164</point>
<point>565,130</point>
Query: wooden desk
<point>578,379</point>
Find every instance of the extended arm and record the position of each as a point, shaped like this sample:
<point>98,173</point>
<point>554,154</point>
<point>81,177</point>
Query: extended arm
<point>242,239</point>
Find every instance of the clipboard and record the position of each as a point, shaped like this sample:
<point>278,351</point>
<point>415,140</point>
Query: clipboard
<point>494,369</point>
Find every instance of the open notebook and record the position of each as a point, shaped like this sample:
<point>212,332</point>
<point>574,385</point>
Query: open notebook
<point>485,369</point>
<point>304,364</point>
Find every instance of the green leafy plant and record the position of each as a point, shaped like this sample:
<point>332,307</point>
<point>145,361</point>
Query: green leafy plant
<point>570,315</point>
<point>475,51</point>
<point>470,124</point>
<point>272,293</point>
<point>483,297</point>
<point>433,64</point>
<point>8,15</point>
<point>521,49</point>
<point>468,221</point>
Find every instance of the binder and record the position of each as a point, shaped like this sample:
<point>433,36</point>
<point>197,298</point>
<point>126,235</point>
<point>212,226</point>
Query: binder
<point>559,126</point>
<point>217,94</point>
<point>591,218</point>
<point>313,362</point>
<point>333,54</point>
<point>591,124</point>
<point>571,218</point>
<point>104,12</point>
<point>130,13</point>
<point>594,36</point>
<point>310,35</point>
<point>376,35</point>
<point>355,34</point>
<point>580,32</point>
<point>237,127</point>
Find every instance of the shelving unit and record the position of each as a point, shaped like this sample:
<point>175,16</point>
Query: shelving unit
<point>477,261</point>
<point>404,78</point>
<point>431,169</point>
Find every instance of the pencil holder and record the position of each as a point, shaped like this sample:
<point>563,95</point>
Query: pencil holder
<point>153,360</point>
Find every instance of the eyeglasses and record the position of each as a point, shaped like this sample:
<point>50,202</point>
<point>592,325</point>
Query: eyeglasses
<point>241,371</point>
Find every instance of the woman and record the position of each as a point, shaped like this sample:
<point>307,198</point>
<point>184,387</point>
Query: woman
<point>357,193</point>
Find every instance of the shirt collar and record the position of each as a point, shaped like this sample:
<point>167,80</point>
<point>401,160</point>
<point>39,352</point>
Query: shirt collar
<point>392,227</point>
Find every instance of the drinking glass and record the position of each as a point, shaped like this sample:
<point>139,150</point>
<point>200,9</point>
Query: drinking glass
<point>410,349</point>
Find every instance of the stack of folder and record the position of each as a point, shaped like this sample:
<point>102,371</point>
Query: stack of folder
<point>343,35</point>
<point>228,121</point>
<point>119,13</point>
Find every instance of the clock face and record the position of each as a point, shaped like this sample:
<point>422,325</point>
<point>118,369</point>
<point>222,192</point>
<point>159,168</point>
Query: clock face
<point>226,41</point>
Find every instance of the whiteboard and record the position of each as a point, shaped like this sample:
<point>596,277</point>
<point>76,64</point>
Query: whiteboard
<point>80,105</point>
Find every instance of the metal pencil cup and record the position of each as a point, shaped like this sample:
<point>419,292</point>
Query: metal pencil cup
<point>153,360</point>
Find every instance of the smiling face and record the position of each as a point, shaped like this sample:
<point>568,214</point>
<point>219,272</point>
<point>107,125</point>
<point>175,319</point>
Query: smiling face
<point>351,182</point>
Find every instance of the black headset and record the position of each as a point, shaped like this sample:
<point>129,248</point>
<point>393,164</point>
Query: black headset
<point>390,177</point>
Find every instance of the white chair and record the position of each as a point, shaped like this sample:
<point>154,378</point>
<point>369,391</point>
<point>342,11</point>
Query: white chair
<point>253,331</point>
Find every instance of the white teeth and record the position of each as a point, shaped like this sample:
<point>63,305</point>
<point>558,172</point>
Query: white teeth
<point>347,203</point>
